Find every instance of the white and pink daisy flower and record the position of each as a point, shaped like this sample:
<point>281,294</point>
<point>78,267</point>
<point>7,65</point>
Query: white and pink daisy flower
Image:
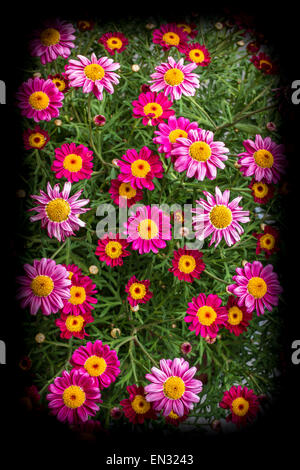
<point>256,286</point>
<point>206,315</point>
<point>39,99</point>
<point>46,285</point>
<point>147,229</point>
<point>263,159</point>
<point>199,155</point>
<point>93,75</point>
<point>168,133</point>
<point>73,162</point>
<point>53,40</point>
<point>173,387</point>
<point>219,217</point>
<point>175,79</point>
<point>152,107</point>
<point>58,211</point>
<point>123,194</point>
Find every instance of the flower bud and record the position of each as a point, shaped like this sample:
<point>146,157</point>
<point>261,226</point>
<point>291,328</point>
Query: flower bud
<point>186,348</point>
<point>40,338</point>
<point>219,25</point>
<point>93,269</point>
<point>244,262</point>
<point>116,412</point>
<point>135,67</point>
<point>99,120</point>
<point>115,332</point>
<point>58,122</point>
<point>240,43</point>
<point>135,308</point>
<point>271,126</point>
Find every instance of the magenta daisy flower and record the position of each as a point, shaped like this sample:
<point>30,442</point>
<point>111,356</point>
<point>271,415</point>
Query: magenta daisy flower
<point>173,387</point>
<point>114,42</point>
<point>152,107</point>
<point>256,286</point>
<point>138,291</point>
<point>139,169</point>
<point>53,40</point>
<point>168,133</point>
<point>264,63</point>
<point>123,194</point>
<point>46,285</point>
<point>197,53</point>
<point>93,75</point>
<point>35,138</point>
<point>39,99</point>
<point>199,155</point>
<point>219,217</point>
<point>238,317</point>
<point>243,404</point>
<point>206,315</point>
<point>112,249</point>
<point>170,35</point>
<point>99,361</point>
<point>187,265</point>
<point>147,229</point>
<point>74,397</point>
<point>136,408</point>
<point>175,79</point>
<point>61,81</point>
<point>189,29</point>
<point>58,212</point>
<point>72,269</point>
<point>267,241</point>
<point>73,162</point>
<point>73,325</point>
<point>81,296</point>
<point>263,159</point>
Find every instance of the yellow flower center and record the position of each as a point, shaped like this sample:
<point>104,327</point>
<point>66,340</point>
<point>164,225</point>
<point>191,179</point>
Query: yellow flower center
<point>147,229</point>
<point>114,43</point>
<point>260,189</point>
<point>173,136</point>
<point>94,72</point>
<point>60,84</point>
<point>185,27</point>
<point>257,287</point>
<point>36,140</point>
<point>153,108</point>
<point>264,158</point>
<point>171,38</point>
<point>267,241</point>
<point>72,162</point>
<point>58,210</point>
<point>265,62</point>
<point>50,37</point>
<point>206,315</point>
<point>196,55</point>
<point>95,365</point>
<point>42,286</point>
<point>70,274</point>
<point>74,323</point>
<point>240,406</point>
<point>39,100</point>
<point>140,168</point>
<point>186,264</point>
<point>174,77</point>
<point>113,249</point>
<point>73,396</point>
<point>78,295</point>
<point>235,315</point>
<point>174,388</point>
<point>126,190</point>
<point>220,216</point>
<point>173,415</point>
<point>200,151</point>
<point>140,405</point>
<point>137,290</point>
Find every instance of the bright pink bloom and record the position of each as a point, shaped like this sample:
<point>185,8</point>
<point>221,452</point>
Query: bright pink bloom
<point>46,286</point>
<point>206,315</point>
<point>139,169</point>
<point>238,317</point>
<point>73,325</point>
<point>243,404</point>
<point>35,138</point>
<point>136,408</point>
<point>138,291</point>
<point>72,269</point>
<point>197,53</point>
<point>114,42</point>
<point>168,133</point>
<point>256,286</point>
<point>74,397</point>
<point>112,249</point>
<point>152,107</point>
<point>99,361</point>
<point>123,194</point>
<point>81,298</point>
<point>187,265</point>
<point>173,387</point>
<point>73,162</point>
<point>170,35</point>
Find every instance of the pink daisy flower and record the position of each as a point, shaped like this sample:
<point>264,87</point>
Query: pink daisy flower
<point>112,249</point>
<point>114,42</point>
<point>238,317</point>
<point>168,133</point>
<point>73,162</point>
<point>45,285</point>
<point>39,99</point>
<point>136,408</point>
<point>139,169</point>
<point>263,159</point>
<point>243,404</point>
<point>58,212</point>
<point>267,241</point>
<point>206,315</point>
<point>197,53</point>
<point>261,191</point>
<point>264,63</point>
<point>174,419</point>
<point>93,75</point>
<point>53,40</point>
<point>189,29</point>
<point>123,194</point>
<point>187,265</point>
<point>72,269</point>
<point>256,286</point>
<point>35,138</point>
<point>81,296</point>
<point>61,82</point>
<point>173,387</point>
<point>147,229</point>
<point>170,35</point>
<point>74,397</point>
<point>73,325</point>
<point>175,79</point>
<point>219,217</point>
<point>199,155</point>
<point>99,361</point>
<point>138,291</point>
<point>152,107</point>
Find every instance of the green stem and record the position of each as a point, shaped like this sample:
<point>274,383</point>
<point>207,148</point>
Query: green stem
<point>203,112</point>
<point>145,352</point>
